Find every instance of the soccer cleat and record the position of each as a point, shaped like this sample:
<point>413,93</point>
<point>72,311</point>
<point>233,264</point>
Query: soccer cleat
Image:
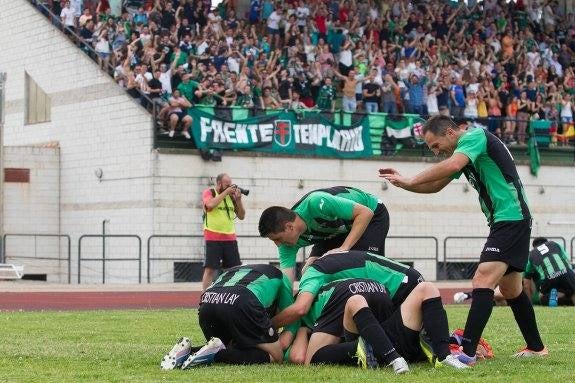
<point>452,361</point>
<point>364,354</point>
<point>464,358</point>
<point>460,297</point>
<point>527,353</point>
<point>483,351</point>
<point>204,355</point>
<point>177,355</point>
<point>425,344</point>
<point>399,366</point>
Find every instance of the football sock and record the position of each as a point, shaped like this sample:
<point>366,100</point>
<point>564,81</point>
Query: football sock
<point>244,356</point>
<point>435,323</point>
<point>372,332</point>
<point>349,336</point>
<point>479,314</point>
<point>342,353</point>
<point>525,318</point>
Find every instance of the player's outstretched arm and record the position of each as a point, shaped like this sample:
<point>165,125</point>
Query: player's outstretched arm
<point>294,312</point>
<point>430,180</point>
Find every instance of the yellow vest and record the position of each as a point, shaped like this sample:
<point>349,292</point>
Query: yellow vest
<point>221,218</point>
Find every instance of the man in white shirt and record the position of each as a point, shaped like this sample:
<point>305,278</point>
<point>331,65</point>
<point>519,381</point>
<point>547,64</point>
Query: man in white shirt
<point>67,16</point>
<point>302,14</point>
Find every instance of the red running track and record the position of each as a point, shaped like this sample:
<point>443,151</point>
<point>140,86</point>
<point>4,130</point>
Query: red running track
<point>35,301</point>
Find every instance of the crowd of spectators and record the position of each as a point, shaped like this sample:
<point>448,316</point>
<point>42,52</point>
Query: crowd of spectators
<point>501,63</point>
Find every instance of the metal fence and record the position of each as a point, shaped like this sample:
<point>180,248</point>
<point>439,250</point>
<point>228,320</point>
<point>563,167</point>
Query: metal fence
<point>174,258</point>
<point>107,258</point>
<point>23,252</point>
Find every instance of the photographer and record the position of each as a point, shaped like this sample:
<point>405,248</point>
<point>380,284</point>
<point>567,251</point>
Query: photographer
<point>222,205</point>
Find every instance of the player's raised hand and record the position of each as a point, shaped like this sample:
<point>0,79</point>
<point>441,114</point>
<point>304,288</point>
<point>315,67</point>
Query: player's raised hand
<point>395,178</point>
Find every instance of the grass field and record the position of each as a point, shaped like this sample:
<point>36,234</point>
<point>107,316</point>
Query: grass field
<point>126,346</point>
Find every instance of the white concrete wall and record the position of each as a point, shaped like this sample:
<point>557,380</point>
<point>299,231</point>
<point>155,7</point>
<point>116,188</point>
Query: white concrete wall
<point>274,181</point>
<point>32,207</point>
<point>96,126</point>
<point>143,192</point>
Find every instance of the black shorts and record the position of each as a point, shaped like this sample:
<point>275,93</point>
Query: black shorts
<point>224,254</point>
<point>508,242</point>
<point>373,239</point>
<point>564,283</point>
<point>414,278</point>
<point>234,315</point>
<point>331,320</point>
<point>404,339</point>
<point>180,115</point>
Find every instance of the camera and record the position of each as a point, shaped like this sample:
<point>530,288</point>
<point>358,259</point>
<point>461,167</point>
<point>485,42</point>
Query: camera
<point>243,191</point>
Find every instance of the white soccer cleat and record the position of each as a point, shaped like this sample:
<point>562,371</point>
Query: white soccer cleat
<point>177,355</point>
<point>205,355</point>
<point>460,297</point>
<point>453,361</point>
<point>399,366</point>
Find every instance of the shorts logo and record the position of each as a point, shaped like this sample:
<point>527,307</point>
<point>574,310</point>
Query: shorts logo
<point>271,331</point>
<point>492,249</point>
<point>373,248</point>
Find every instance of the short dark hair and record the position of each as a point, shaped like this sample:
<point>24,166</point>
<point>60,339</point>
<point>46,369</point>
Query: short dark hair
<point>539,241</point>
<point>273,220</point>
<point>438,125</point>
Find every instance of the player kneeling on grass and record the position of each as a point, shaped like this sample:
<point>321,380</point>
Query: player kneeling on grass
<point>234,315</point>
<point>376,332</point>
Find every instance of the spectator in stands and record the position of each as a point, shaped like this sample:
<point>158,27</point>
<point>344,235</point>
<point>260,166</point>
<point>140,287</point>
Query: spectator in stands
<point>178,105</point>
<point>348,102</point>
<point>67,16</point>
<point>371,93</point>
<point>461,49</point>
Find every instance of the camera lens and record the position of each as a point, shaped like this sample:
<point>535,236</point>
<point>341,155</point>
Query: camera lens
<point>244,191</point>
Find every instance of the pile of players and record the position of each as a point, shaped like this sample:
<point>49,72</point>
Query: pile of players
<point>355,305</point>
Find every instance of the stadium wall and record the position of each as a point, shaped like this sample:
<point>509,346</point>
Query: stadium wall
<point>96,126</point>
<point>454,212</point>
<point>145,192</point>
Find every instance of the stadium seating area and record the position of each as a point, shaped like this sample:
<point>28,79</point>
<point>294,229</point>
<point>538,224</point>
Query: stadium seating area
<point>504,64</point>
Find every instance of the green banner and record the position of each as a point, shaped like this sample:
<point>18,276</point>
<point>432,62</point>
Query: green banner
<point>286,131</point>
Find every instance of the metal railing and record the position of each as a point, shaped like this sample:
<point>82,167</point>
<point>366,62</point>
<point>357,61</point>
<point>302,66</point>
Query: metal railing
<point>104,260</point>
<point>273,257</point>
<point>150,259</point>
<point>67,237</point>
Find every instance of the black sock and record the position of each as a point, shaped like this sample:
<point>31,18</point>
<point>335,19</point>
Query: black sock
<point>372,332</point>
<point>525,318</point>
<point>341,353</point>
<point>435,323</point>
<point>244,356</point>
<point>479,314</point>
<point>349,336</point>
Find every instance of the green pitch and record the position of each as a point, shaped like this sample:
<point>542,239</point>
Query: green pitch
<point>126,346</point>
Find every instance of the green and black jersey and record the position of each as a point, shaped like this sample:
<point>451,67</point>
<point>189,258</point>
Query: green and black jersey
<point>354,264</point>
<point>327,213</point>
<point>267,283</point>
<point>333,296</point>
<point>547,261</point>
<point>492,172</point>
